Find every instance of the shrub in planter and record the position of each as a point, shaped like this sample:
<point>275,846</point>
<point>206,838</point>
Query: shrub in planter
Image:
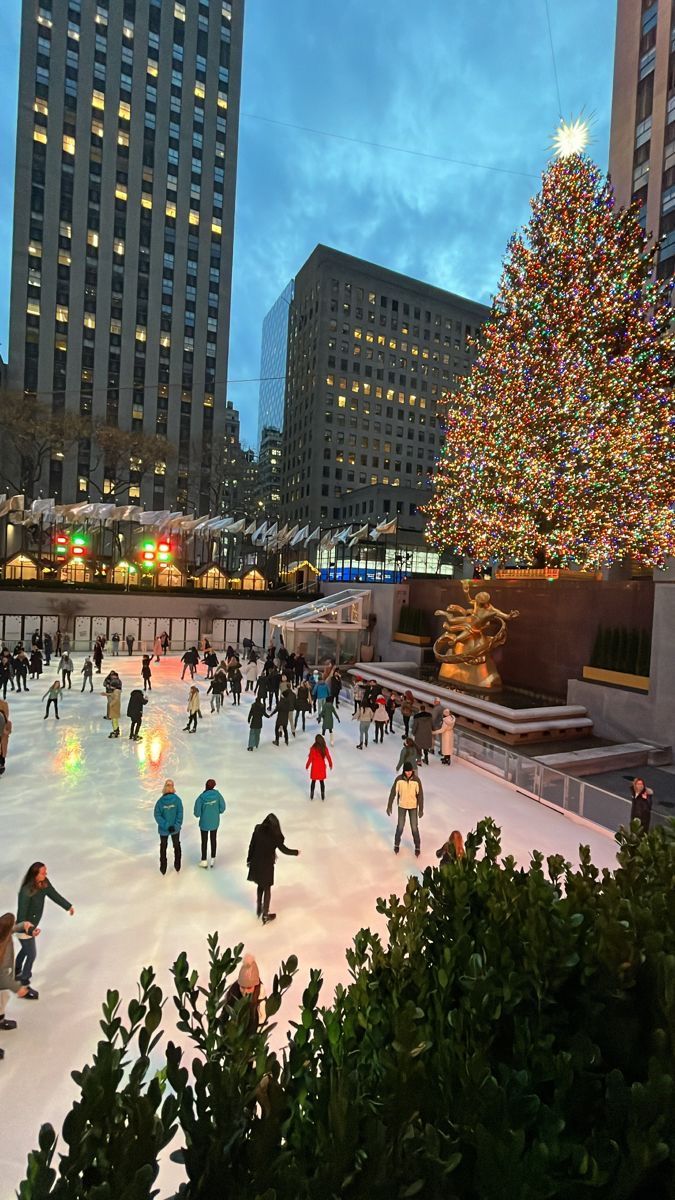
<point>514,1036</point>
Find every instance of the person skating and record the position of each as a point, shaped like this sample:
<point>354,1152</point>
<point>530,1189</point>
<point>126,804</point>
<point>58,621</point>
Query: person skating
<point>335,682</point>
<point>66,668</point>
<point>193,710</point>
<point>5,730</point>
<point>8,981</point>
<point>234,677</point>
<point>255,719</point>
<point>137,700</point>
<point>446,734</point>
<point>216,690</point>
<point>115,639</point>
<point>283,712</point>
<point>408,753</point>
<point>407,706</point>
<point>273,685</point>
<point>48,645</point>
<point>87,674</point>
<point>262,852</point>
<point>165,640</point>
<point>113,694</point>
<point>251,673</point>
<point>97,655</point>
<point>21,664</point>
<point>357,694</point>
<point>65,643</point>
<point>146,672</point>
<point>380,718</point>
<point>320,692</point>
<point>365,719</point>
<point>6,673</point>
<point>641,803</point>
<point>35,889</point>
<point>130,639</point>
<point>407,792</point>
<point>392,704</point>
<point>452,850</point>
<point>261,689</point>
<point>208,808</point>
<point>303,704</point>
<point>35,663</point>
<point>328,717</point>
<point>318,757</point>
<point>248,986</point>
<point>436,713</point>
<point>189,661</point>
<point>52,697</point>
<point>157,647</point>
<point>423,734</point>
<point>300,668</point>
<point>211,662</point>
<point>169,818</point>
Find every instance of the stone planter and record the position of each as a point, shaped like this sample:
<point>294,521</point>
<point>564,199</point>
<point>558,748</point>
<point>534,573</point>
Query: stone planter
<point>412,639</point>
<point>622,679</point>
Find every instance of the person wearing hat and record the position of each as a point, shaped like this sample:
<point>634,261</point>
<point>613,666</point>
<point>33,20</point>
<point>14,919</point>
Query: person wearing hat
<point>423,734</point>
<point>169,817</point>
<point>248,986</point>
<point>357,693</point>
<point>407,791</point>
<point>380,718</point>
<point>437,712</point>
<point>446,735</point>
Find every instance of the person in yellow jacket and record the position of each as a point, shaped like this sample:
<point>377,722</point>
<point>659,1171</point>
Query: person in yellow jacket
<point>407,792</point>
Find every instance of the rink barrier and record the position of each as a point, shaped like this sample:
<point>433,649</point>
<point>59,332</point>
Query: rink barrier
<point>565,793</point>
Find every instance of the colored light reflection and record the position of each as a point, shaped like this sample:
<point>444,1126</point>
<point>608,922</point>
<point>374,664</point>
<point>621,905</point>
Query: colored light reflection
<point>150,750</point>
<point>70,757</point>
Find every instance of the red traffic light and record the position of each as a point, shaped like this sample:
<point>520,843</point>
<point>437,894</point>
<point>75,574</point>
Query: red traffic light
<point>78,551</point>
<point>164,547</point>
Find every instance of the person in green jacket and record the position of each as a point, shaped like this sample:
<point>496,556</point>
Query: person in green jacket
<point>208,807</point>
<point>328,716</point>
<point>33,892</point>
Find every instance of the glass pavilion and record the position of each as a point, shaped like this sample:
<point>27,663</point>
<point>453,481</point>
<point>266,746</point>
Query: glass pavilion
<point>329,628</point>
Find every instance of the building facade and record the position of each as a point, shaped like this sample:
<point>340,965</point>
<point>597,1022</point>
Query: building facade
<point>642,141</point>
<point>123,227</point>
<point>273,353</point>
<point>370,354</point>
<point>269,470</point>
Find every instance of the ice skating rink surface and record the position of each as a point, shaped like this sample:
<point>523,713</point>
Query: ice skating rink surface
<point>83,804</point>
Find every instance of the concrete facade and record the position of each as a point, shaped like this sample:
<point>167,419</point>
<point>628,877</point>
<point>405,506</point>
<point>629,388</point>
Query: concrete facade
<point>370,354</point>
<point>642,140</point>
<point>123,229</point>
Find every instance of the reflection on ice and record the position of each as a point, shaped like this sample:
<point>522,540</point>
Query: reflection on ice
<point>69,760</point>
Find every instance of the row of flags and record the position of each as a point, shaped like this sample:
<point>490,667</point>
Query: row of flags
<point>266,535</point>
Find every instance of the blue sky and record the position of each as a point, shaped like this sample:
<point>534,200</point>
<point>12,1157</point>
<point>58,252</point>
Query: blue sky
<point>472,82</point>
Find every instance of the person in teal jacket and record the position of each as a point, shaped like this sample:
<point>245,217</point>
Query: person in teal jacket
<point>34,890</point>
<point>320,692</point>
<point>169,818</point>
<point>208,807</point>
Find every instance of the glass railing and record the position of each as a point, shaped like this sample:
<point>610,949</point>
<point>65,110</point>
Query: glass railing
<point>542,783</point>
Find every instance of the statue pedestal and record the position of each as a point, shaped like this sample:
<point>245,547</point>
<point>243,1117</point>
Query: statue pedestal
<point>483,675</point>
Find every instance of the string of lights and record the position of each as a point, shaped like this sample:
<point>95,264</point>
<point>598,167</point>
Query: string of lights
<point>561,442</point>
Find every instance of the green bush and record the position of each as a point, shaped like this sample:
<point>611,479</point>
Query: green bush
<point>513,1037</point>
<point>413,621</point>
<point>622,649</point>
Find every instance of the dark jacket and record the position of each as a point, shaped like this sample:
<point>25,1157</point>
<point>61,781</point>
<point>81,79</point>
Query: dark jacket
<point>641,809</point>
<point>303,700</point>
<point>422,731</point>
<point>284,708</point>
<point>235,681</point>
<point>135,705</point>
<point>31,903</point>
<point>218,684</point>
<point>262,852</point>
<point>255,714</point>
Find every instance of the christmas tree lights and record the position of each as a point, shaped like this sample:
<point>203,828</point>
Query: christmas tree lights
<point>560,444</point>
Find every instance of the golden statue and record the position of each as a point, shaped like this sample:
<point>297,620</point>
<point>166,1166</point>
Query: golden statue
<point>469,636</point>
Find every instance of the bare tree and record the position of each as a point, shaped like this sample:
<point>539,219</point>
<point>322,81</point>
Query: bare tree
<point>31,434</point>
<point>126,458</point>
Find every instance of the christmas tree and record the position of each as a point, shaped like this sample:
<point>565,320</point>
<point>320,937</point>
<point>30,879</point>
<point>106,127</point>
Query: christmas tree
<point>560,444</point>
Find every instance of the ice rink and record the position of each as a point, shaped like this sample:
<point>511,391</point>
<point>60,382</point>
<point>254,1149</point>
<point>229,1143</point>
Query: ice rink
<point>83,804</point>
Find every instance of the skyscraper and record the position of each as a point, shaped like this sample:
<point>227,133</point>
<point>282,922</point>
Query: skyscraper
<point>642,141</point>
<point>273,352</point>
<point>370,354</point>
<point>123,227</point>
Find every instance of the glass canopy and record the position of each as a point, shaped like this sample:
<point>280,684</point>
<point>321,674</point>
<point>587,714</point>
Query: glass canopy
<point>326,629</point>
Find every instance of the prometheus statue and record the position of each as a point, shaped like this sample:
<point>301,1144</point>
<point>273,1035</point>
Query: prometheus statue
<point>469,636</point>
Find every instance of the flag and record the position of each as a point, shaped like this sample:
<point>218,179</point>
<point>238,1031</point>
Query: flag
<point>314,535</point>
<point>238,527</point>
<point>259,534</point>
<point>342,537</point>
<point>384,527</point>
<point>360,535</point>
<point>249,530</point>
<point>299,536</point>
<point>14,504</point>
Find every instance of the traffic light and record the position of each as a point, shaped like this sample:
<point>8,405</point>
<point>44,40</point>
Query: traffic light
<point>78,545</point>
<point>75,544</point>
<point>164,551</point>
<point>61,544</point>
<point>148,552</point>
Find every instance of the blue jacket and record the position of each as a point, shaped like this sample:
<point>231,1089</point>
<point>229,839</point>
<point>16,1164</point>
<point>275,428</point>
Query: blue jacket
<point>208,807</point>
<point>322,690</point>
<point>169,814</point>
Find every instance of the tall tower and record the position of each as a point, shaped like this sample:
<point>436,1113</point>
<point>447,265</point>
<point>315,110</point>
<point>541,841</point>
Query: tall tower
<point>642,141</point>
<point>123,231</point>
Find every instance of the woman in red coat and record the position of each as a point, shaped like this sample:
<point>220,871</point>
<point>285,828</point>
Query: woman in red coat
<point>317,758</point>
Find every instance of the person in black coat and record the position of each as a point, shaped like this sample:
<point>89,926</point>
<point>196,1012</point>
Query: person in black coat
<point>273,685</point>
<point>135,713</point>
<point>98,656</point>
<point>283,712</point>
<point>35,663</point>
<point>262,853</point>
<point>641,803</point>
<point>234,677</point>
<point>300,668</point>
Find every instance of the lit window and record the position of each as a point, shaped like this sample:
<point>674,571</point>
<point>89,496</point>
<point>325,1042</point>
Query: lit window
<point>121,192</point>
<point>170,210</point>
<point>101,15</point>
<point>179,12</point>
<point>216,227</point>
<point>165,339</point>
<point>141,333</point>
<point>146,201</point>
<point>89,321</point>
<point>342,401</point>
<point>68,144</point>
<point>134,491</point>
<point>60,343</point>
<point>124,110</point>
<point>61,312</point>
<point>82,483</point>
<point>200,90</point>
<point>153,69</point>
<point>92,237</point>
<point>118,245</point>
<point>39,134</point>
<point>122,138</point>
<point>115,326</point>
<point>41,106</point>
<point>128,29</point>
<point>98,100</point>
<point>35,249</point>
<point>65,229</point>
<point>208,401</point>
<point>33,307</point>
<point>222,100</point>
<point>64,258</point>
<point>194,217</point>
<point>97,127</point>
<point>44,19</point>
